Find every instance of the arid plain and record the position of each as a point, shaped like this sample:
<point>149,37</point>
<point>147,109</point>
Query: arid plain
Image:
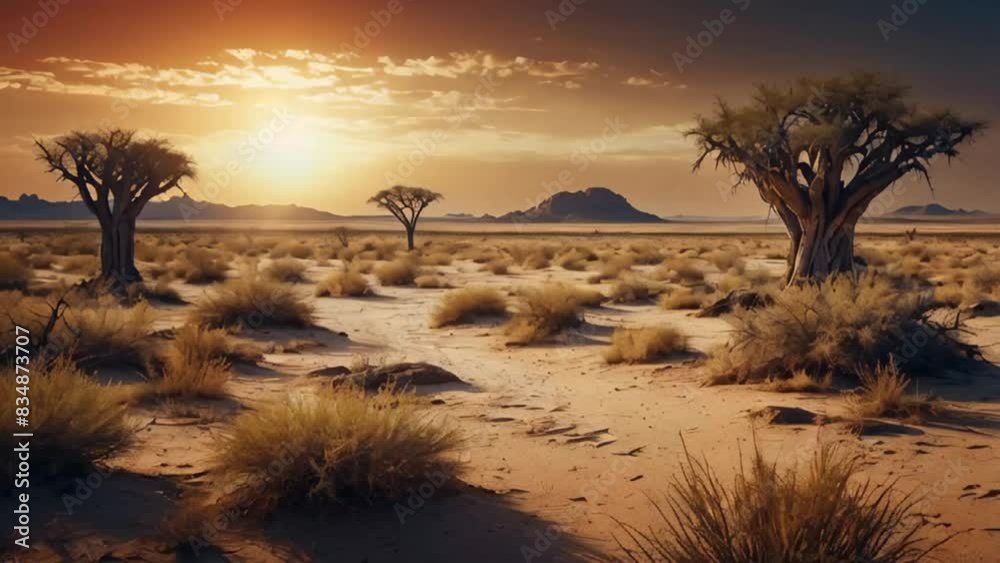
<point>563,436</point>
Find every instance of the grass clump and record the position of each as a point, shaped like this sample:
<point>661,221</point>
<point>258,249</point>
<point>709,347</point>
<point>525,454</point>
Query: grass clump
<point>840,326</point>
<point>823,514</point>
<point>195,365</point>
<point>345,283</point>
<point>102,332</point>
<point>201,266</point>
<point>14,273</point>
<point>883,393</point>
<point>545,311</point>
<point>464,305</point>
<point>398,272</point>
<point>634,345</point>
<point>682,298</point>
<point>341,446</point>
<point>286,270</point>
<point>253,302</point>
<point>76,421</point>
<point>632,289</point>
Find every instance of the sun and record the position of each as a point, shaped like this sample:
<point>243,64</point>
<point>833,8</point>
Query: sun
<point>289,150</point>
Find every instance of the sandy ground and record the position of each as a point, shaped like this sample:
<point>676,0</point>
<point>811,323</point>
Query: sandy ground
<point>559,445</point>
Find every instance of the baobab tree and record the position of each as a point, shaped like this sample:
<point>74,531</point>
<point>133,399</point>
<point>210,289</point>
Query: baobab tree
<point>406,204</point>
<point>819,152</point>
<point>116,174</point>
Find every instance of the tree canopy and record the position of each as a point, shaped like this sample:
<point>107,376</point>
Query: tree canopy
<point>406,204</point>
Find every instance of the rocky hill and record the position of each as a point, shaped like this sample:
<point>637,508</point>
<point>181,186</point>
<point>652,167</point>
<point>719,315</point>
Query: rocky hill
<point>589,205</point>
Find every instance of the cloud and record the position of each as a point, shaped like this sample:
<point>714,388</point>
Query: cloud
<point>482,63</point>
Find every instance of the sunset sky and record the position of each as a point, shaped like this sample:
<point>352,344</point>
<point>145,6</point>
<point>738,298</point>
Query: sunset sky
<point>319,103</point>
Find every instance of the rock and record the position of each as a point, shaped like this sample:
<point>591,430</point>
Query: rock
<point>330,371</point>
<point>743,298</point>
<point>786,415</point>
<point>402,376</point>
<point>982,309</point>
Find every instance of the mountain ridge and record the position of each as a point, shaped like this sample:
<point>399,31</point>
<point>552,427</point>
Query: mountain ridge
<point>595,204</point>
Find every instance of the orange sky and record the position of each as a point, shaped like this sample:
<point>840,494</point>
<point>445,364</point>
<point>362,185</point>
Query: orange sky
<point>488,102</point>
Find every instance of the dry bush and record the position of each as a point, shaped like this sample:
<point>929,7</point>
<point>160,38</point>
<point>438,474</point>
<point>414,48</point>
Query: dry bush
<point>801,382</point>
<point>611,268</point>
<point>81,265</point>
<point>194,365</point>
<point>883,393</point>
<point>542,312</point>
<point>200,266</point>
<point>645,253</point>
<point>293,249</point>
<point>681,298</point>
<point>286,270</point>
<point>575,258</point>
<point>104,332</point>
<point>161,291</point>
<point>401,271</point>
<point>252,302</point>
<point>339,446</point>
<point>838,326</point>
<point>679,270</point>
<point>431,281</point>
<point>436,259</point>
<point>644,344</point>
<point>14,273</point>
<point>633,289</point>
<point>824,514</point>
<point>874,257</point>
<point>345,283</point>
<point>535,261</point>
<point>464,305</point>
<point>151,251</point>
<point>955,295</point>
<point>75,245</point>
<point>497,266</point>
<point>725,259</point>
<point>75,420</point>
<point>985,279</point>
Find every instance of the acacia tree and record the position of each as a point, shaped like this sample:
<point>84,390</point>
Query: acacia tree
<point>116,174</point>
<point>406,204</point>
<point>819,152</point>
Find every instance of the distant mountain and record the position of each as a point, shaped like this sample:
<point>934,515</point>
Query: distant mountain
<point>935,210</point>
<point>31,207</point>
<point>590,205</point>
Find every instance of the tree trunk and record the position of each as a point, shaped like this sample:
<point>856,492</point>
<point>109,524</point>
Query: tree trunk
<point>118,253</point>
<point>409,237</point>
<point>821,251</point>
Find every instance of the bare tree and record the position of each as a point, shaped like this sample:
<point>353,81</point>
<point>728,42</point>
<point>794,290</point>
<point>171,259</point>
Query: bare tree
<point>406,204</point>
<point>116,174</point>
<point>819,152</point>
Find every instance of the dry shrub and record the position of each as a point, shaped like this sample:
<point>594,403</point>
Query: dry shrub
<point>81,265</point>
<point>985,279</point>
<point>341,446</point>
<point>497,266</point>
<point>252,302</point>
<point>104,332</point>
<point>883,393</point>
<point>575,258</point>
<point>838,326</point>
<point>195,365</point>
<point>644,344</point>
<point>679,270</point>
<point>464,305</point>
<point>401,271</point>
<point>286,270</point>
<point>955,295</point>
<point>535,261</point>
<point>824,514</point>
<point>431,281</point>
<point>542,312</point>
<point>680,298</point>
<point>14,273</point>
<point>611,268</point>
<point>37,260</point>
<point>633,289</point>
<point>801,382</point>
<point>725,259</point>
<point>436,259</point>
<point>200,266</point>
<point>75,420</point>
<point>346,283</point>
<point>293,249</point>
<point>161,291</point>
<point>74,245</point>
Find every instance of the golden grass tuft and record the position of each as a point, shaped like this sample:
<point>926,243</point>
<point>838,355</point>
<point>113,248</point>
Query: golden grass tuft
<point>195,365</point>
<point>633,289</point>
<point>634,345</point>
<point>286,270</point>
<point>801,382</point>
<point>252,302</point>
<point>823,514</point>
<point>542,312</point>
<point>344,283</point>
<point>81,265</point>
<point>293,249</point>
<point>14,273</point>
<point>679,298</point>
<point>431,281</point>
<point>401,271</point>
<point>75,420</point>
<point>883,393</point>
<point>464,305</point>
<point>200,266</point>
<point>338,446</point>
<point>679,270</point>
<point>104,332</point>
